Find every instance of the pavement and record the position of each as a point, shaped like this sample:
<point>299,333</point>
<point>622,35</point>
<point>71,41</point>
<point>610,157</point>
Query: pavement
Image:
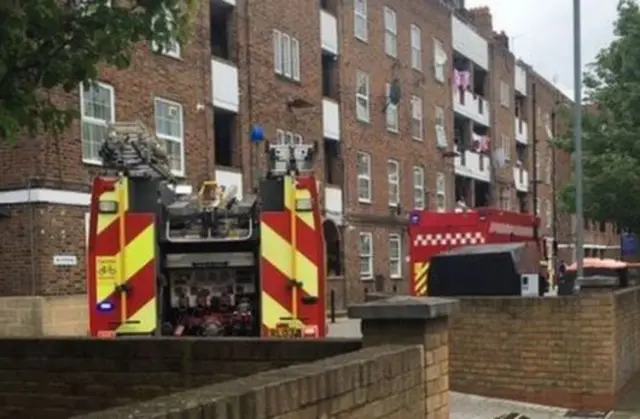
<point>469,406</point>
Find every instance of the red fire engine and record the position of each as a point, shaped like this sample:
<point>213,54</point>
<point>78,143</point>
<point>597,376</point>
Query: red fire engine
<point>431,233</point>
<point>166,261</point>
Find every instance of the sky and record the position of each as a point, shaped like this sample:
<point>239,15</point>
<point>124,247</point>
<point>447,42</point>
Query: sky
<point>541,33</point>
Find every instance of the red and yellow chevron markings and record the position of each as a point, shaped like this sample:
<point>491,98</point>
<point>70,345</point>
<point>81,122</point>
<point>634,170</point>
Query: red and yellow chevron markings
<point>420,273</point>
<point>292,248</point>
<point>121,264</point>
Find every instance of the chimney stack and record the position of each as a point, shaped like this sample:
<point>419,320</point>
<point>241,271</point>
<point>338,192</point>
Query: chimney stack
<point>482,20</point>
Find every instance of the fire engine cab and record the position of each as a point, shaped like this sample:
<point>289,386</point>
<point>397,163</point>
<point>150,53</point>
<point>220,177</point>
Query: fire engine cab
<point>165,260</point>
<point>431,233</point>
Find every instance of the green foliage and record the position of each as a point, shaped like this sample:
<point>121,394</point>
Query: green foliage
<point>611,133</point>
<point>58,44</point>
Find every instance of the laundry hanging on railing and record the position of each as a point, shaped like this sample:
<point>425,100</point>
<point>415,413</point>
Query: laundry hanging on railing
<point>461,79</point>
<point>480,143</point>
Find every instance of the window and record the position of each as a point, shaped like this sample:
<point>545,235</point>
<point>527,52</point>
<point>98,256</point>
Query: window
<point>506,146</point>
<point>419,196</point>
<point>549,170</point>
<point>360,14</point>
<point>538,205</point>
<point>366,256</point>
<point>393,178</point>
<point>169,127</point>
<point>417,118</point>
<point>391,112</point>
<point>171,48</point>
<point>549,216</point>
<point>416,48</point>
<point>362,96</point>
<point>441,193</point>
<point>395,256</point>
<point>439,60</point>
<point>390,32</point>
<point>505,199</point>
<point>505,94</point>
<point>286,55</point>
<point>364,177</point>
<point>97,110</point>
<point>287,137</point>
<point>441,131</point>
<point>537,176</point>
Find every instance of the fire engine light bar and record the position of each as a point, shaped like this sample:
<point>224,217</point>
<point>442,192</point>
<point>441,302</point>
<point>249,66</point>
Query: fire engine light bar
<point>303,204</point>
<point>108,207</point>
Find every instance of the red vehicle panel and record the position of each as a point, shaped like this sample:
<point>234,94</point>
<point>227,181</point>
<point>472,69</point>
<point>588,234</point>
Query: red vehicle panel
<point>431,233</point>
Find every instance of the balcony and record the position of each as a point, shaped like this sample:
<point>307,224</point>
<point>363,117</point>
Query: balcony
<point>473,165</point>
<point>522,131</point>
<point>521,179</point>
<point>333,205</point>
<point>229,177</point>
<point>520,79</point>
<point>224,85</point>
<point>469,43</point>
<point>329,32</point>
<point>475,108</point>
<point>330,119</point>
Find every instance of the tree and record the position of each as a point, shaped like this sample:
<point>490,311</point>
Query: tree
<point>58,44</point>
<point>611,128</point>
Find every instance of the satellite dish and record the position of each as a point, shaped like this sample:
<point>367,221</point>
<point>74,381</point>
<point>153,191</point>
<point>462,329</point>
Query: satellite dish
<point>395,92</point>
<point>441,57</point>
<point>499,158</point>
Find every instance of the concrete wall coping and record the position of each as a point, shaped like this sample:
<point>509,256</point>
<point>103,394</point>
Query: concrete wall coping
<point>404,307</point>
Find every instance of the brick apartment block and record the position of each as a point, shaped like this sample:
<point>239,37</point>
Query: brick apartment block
<point>372,82</point>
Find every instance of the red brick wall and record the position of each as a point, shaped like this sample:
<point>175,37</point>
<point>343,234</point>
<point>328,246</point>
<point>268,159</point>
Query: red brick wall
<point>61,378</point>
<point>574,352</point>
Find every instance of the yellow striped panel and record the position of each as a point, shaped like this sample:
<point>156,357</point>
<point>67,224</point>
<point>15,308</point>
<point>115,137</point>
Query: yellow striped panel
<point>273,313</point>
<point>143,321</point>
<point>278,252</point>
<point>105,220</point>
<point>420,271</point>
<point>138,253</point>
<point>302,194</point>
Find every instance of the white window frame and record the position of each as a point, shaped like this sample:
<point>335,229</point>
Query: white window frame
<point>360,16</point>
<point>288,138</point>
<point>277,52</point>
<point>441,192</point>
<point>417,117</point>
<point>505,94</point>
<point>365,177</point>
<point>172,50</point>
<point>286,55</point>
<point>419,188</point>
<point>416,47</point>
<point>538,207</point>
<point>363,110</point>
<point>438,69</point>
<point>95,121</point>
<point>391,113</point>
<point>538,166</point>
<point>506,146</point>
<point>390,32</point>
<point>440,127</point>
<point>549,170</point>
<point>366,255</point>
<point>395,238</point>
<point>393,181</point>
<point>548,213</point>
<point>165,137</point>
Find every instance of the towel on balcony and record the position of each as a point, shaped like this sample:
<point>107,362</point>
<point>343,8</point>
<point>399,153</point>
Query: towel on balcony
<point>465,80</point>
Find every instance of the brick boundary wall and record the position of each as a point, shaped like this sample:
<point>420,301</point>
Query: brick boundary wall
<point>576,351</point>
<point>57,378</point>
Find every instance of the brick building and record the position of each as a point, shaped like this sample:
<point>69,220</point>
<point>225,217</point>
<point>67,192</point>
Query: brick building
<point>373,83</point>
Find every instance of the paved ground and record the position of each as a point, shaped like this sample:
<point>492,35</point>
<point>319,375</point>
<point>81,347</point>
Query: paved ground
<point>468,406</point>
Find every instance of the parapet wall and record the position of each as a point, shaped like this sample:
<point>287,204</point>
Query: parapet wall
<point>59,378</point>
<point>575,351</point>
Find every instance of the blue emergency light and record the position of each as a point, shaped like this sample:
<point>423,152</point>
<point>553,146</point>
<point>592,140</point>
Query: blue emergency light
<point>105,306</point>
